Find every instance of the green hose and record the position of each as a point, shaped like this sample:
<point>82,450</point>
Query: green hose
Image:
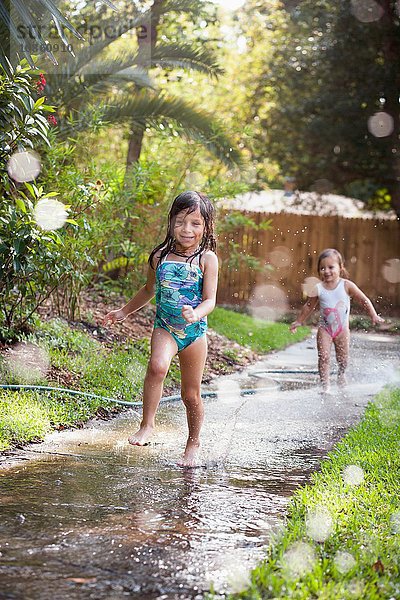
<point>45,388</point>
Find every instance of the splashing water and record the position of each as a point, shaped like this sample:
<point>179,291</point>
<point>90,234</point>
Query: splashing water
<point>319,524</point>
<point>50,214</point>
<point>353,475</point>
<point>24,166</point>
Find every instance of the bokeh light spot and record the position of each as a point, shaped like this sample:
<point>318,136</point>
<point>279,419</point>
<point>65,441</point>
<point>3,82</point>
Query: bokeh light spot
<point>353,475</point>
<point>391,270</point>
<point>24,166</point>
<point>366,11</point>
<point>50,214</point>
<point>381,124</point>
<point>319,524</point>
<point>395,522</point>
<point>298,559</point>
<point>27,362</point>
<point>344,561</point>
<point>269,302</point>
<point>309,288</point>
<point>280,257</point>
<point>195,180</point>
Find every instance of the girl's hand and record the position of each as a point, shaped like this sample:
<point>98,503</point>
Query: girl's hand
<point>113,316</point>
<point>377,320</point>
<point>189,314</point>
<point>294,326</point>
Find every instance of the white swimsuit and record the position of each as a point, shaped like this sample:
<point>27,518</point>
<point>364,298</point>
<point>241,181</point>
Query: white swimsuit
<point>335,308</point>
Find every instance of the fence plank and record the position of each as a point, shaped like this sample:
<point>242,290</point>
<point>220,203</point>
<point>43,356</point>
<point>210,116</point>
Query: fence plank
<point>366,245</point>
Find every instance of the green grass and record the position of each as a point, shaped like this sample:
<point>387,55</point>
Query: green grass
<point>259,335</point>
<point>361,520</point>
<point>116,372</point>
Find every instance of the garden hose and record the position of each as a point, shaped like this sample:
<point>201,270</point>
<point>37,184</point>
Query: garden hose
<point>45,388</point>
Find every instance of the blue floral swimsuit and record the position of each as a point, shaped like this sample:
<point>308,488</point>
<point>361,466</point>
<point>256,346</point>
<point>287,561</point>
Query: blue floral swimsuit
<point>179,283</point>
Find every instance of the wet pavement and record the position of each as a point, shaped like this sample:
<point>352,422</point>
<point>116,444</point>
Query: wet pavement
<point>88,516</point>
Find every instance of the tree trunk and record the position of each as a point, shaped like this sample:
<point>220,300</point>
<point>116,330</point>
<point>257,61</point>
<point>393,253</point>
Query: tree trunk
<point>146,38</point>
<point>134,147</point>
<point>391,53</point>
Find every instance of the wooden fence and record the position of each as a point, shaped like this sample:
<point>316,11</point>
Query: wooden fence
<point>288,255</point>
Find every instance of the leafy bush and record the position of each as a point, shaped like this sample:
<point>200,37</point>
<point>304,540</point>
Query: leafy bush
<point>30,265</point>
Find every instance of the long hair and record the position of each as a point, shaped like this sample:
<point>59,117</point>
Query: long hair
<point>189,201</point>
<point>335,254</point>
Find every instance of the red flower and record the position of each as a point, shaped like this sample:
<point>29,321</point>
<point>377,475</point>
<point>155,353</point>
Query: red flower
<point>40,83</point>
<point>52,120</point>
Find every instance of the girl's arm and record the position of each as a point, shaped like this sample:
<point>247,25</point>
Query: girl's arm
<point>359,296</point>
<point>305,312</point>
<point>142,297</point>
<point>210,283</point>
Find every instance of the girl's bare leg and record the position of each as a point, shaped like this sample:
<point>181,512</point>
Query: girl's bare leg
<point>163,349</point>
<point>342,343</point>
<point>324,343</point>
<point>192,361</point>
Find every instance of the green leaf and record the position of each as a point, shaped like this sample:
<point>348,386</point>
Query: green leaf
<point>20,203</point>
<point>39,102</point>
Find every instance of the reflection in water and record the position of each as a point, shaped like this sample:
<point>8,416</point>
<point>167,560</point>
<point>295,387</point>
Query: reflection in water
<point>97,518</point>
<point>105,529</point>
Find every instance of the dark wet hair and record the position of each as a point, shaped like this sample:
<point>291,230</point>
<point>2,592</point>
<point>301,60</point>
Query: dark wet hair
<point>336,254</point>
<point>189,201</point>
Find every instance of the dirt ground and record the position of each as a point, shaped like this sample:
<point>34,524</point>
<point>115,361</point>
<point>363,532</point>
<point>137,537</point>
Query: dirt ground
<point>224,356</point>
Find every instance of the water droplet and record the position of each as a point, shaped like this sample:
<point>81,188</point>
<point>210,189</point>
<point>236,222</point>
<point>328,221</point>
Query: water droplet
<point>309,286</point>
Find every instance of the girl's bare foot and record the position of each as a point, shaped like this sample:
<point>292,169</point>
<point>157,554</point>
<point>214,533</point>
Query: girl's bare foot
<point>190,458</point>
<point>341,380</point>
<point>140,437</point>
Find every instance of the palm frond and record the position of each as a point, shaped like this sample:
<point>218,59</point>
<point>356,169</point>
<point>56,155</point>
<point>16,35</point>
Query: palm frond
<point>30,18</point>
<point>186,56</point>
<point>149,110</point>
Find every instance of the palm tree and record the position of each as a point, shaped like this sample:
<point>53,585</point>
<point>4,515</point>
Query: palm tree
<point>121,82</point>
<point>16,14</point>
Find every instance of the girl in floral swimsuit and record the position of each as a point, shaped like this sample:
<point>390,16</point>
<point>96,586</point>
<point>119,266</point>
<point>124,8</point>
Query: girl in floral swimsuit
<point>333,294</point>
<point>182,274</point>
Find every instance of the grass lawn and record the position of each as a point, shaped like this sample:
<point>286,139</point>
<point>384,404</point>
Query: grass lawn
<point>260,335</point>
<point>342,536</point>
<point>116,372</point>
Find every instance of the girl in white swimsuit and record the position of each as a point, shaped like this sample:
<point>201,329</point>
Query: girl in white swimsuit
<point>333,294</point>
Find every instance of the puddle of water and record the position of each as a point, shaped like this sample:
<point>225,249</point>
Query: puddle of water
<point>97,518</point>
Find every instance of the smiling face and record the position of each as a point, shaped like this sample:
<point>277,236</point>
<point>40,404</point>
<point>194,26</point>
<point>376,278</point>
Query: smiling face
<point>329,270</point>
<point>188,230</point>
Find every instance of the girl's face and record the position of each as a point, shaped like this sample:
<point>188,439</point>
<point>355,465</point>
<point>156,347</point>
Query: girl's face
<point>329,269</point>
<point>188,229</point>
